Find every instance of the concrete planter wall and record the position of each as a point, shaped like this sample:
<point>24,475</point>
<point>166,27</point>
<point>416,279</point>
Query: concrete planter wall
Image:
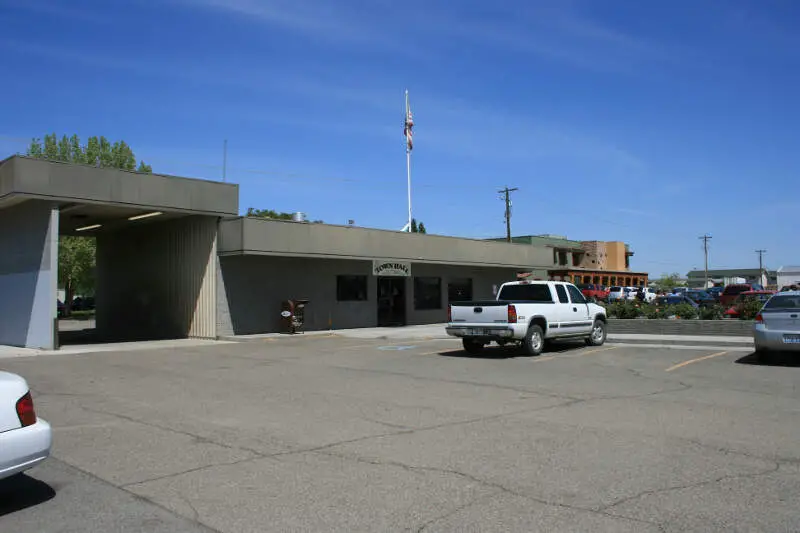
<point>643,326</point>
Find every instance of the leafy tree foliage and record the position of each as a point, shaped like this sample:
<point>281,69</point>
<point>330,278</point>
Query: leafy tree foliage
<point>271,213</point>
<point>98,151</point>
<point>417,227</point>
<point>76,255</point>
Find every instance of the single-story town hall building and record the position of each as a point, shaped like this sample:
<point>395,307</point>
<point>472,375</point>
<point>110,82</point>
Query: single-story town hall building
<point>175,260</point>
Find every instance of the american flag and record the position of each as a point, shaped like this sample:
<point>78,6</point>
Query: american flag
<point>409,126</point>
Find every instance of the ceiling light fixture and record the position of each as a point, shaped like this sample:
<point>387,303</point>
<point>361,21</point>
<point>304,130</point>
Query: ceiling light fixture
<point>146,215</point>
<point>87,228</point>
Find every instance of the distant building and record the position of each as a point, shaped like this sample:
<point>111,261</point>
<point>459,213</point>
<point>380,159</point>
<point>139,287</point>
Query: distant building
<point>696,278</point>
<point>788,275</point>
<point>599,262</point>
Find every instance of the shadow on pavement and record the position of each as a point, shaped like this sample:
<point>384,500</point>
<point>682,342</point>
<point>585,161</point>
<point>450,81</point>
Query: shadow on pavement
<point>785,359</point>
<point>508,352</point>
<point>21,492</point>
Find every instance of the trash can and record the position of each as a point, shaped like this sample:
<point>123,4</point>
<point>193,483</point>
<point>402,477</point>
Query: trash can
<point>293,315</point>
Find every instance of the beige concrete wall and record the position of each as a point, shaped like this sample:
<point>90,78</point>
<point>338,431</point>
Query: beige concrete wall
<point>251,289</point>
<point>284,238</point>
<point>158,280</point>
<point>615,256</point>
<point>28,274</point>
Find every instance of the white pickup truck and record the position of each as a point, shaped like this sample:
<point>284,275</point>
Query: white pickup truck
<point>528,313</point>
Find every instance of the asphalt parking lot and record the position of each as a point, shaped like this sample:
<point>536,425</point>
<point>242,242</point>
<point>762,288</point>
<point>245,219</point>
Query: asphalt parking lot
<point>340,434</point>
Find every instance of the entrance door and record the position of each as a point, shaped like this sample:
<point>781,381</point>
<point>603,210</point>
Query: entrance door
<point>391,301</point>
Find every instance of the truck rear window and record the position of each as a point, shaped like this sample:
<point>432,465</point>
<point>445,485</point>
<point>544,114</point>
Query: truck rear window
<point>526,293</point>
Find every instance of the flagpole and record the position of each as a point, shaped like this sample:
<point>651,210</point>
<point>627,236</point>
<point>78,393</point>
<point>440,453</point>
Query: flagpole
<point>408,169</point>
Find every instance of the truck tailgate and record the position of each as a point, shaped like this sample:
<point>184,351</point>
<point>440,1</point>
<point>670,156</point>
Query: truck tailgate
<point>479,312</point>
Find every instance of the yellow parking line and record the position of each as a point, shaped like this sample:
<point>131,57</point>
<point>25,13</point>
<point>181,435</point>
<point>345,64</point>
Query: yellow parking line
<point>695,360</point>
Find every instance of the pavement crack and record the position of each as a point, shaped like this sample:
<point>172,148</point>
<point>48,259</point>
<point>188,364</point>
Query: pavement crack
<point>651,492</point>
<point>458,509</point>
<point>498,487</point>
<point>189,471</point>
<point>411,431</point>
<point>198,438</point>
<point>525,390</point>
<point>184,499</point>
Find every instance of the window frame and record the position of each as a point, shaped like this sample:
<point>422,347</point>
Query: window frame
<point>421,305</point>
<point>561,293</point>
<point>582,298</point>
<point>363,284</point>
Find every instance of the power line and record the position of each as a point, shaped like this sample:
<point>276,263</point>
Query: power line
<point>705,238</point>
<point>507,193</point>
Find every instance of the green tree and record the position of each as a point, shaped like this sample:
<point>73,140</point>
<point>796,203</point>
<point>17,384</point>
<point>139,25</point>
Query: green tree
<point>122,156</point>
<point>93,152</point>
<point>144,168</point>
<point>35,148</point>
<point>76,267</point>
<point>669,281</point>
<point>270,213</point>
<point>77,155</point>
<point>50,147</point>
<point>64,149</point>
<point>76,255</point>
<point>106,155</point>
<point>417,227</point>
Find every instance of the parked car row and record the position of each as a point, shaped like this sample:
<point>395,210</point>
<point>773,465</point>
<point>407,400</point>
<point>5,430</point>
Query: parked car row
<point>631,293</point>
<point>777,325</point>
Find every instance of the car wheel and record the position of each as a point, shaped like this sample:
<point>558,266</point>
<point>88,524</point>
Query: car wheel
<point>598,335</point>
<point>533,343</point>
<point>472,346</point>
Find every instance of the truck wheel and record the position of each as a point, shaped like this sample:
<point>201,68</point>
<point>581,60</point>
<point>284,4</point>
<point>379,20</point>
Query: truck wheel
<point>533,343</point>
<point>472,346</point>
<point>598,335</point>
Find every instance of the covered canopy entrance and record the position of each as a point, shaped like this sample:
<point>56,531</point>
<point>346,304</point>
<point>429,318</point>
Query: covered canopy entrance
<point>156,239</point>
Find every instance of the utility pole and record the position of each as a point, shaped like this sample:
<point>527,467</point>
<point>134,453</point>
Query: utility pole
<point>705,238</point>
<point>761,265</point>
<point>507,192</point>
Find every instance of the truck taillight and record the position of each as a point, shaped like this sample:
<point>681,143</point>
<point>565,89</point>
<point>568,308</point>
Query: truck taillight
<point>449,313</point>
<point>512,314</point>
<point>25,411</point>
<point>759,319</point>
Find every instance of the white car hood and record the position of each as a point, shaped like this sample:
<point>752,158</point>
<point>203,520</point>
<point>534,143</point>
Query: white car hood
<point>12,388</point>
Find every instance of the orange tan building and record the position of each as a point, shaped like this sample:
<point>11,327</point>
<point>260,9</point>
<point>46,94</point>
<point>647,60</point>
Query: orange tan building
<point>600,262</point>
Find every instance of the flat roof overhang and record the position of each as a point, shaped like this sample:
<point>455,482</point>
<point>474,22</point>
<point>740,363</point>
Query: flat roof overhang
<point>90,195</point>
<point>244,236</point>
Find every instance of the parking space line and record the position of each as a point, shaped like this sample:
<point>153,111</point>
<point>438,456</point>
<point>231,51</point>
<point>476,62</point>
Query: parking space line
<point>695,360</point>
<point>578,354</point>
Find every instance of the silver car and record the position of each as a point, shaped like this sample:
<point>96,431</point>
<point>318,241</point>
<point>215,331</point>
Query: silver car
<point>777,326</point>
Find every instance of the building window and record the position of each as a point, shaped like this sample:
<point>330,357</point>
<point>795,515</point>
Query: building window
<point>427,293</point>
<point>459,290</point>
<point>351,288</point>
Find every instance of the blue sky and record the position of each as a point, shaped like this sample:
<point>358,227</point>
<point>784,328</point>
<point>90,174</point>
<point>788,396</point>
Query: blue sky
<point>648,122</point>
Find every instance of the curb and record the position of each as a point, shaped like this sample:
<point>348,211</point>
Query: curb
<point>693,341</point>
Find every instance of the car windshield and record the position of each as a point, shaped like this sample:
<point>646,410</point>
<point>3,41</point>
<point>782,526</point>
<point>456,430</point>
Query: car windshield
<point>616,289</point>
<point>782,301</point>
<point>526,293</point>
